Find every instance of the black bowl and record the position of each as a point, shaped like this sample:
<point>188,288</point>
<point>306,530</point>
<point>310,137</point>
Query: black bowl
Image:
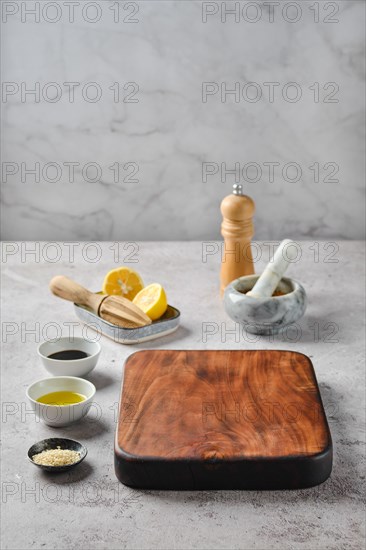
<point>53,443</point>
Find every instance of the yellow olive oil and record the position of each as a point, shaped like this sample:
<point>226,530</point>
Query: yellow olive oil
<point>61,398</point>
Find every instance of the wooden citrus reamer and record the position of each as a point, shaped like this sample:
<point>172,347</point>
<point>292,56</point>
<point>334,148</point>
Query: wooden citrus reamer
<point>114,309</point>
<point>237,229</point>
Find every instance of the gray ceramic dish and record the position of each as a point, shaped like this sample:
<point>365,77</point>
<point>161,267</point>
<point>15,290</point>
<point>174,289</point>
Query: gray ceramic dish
<point>54,443</point>
<point>167,324</point>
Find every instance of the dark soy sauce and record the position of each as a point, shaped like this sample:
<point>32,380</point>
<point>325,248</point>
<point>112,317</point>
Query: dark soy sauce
<point>68,355</point>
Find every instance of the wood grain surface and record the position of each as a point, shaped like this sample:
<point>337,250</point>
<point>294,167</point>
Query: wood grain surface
<point>237,230</point>
<point>220,405</point>
<point>115,309</point>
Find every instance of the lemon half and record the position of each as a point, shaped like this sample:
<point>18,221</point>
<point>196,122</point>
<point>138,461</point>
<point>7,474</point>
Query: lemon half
<point>152,300</point>
<point>122,281</point>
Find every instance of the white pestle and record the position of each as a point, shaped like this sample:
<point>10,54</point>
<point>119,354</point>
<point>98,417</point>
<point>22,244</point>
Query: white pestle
<point>286,252</point>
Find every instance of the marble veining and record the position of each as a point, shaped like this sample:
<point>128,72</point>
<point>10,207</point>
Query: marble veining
<point>170,132</point>
<point>264,315</point>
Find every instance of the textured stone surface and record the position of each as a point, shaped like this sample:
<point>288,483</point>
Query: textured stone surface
<point>88,508</point>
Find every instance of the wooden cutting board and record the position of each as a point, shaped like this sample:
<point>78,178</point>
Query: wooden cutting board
<point>221,420</point>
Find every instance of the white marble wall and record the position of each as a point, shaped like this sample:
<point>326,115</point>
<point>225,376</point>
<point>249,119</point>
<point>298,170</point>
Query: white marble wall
<point>170,132</point>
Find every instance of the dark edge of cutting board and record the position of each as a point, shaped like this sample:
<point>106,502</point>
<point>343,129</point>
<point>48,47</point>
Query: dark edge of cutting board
<point>249,473</point>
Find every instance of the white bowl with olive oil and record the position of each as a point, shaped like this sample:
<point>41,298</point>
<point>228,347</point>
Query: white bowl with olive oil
<point>61,400</point>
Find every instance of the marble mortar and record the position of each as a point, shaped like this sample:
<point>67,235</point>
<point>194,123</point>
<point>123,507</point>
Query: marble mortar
<point>264,315</point>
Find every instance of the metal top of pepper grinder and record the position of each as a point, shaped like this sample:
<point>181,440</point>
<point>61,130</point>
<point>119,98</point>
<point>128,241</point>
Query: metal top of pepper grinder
<point>237,189</point>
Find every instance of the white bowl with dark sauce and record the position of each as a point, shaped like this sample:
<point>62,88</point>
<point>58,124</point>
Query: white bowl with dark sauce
<point>68,356</point>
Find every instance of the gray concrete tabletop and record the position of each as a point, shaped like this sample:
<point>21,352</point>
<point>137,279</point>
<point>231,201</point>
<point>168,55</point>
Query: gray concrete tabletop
<point>88,507</point>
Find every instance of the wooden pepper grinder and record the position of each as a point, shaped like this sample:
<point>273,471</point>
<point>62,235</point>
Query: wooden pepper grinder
<point>237,229</point>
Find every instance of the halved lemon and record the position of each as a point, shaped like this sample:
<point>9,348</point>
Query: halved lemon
<point>152,300</point>
<point>122,281</point>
